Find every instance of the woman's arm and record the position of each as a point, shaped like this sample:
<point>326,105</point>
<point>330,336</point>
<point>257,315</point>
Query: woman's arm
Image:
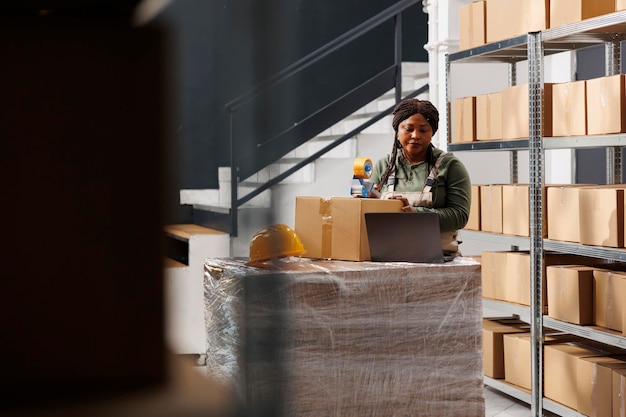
<point>453,196</point>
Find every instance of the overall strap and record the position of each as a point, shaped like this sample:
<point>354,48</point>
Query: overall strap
<point>430,181</point>
<point>391,181</point>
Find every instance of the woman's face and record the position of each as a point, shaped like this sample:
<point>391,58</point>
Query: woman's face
<point>415,135</point>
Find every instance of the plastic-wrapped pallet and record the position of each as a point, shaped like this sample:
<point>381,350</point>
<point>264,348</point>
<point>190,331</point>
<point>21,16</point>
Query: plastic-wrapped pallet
<point>338,338</point>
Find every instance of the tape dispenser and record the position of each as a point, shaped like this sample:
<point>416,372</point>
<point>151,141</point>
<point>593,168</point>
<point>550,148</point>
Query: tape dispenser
<point>361,184</point>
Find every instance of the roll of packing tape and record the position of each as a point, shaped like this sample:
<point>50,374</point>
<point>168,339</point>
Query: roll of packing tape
<point>362,168</point>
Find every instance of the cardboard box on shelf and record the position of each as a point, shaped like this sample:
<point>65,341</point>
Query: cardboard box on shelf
<point>491,208</point>
<point>493,273</point>
<point>569,109</point>
<point>570,293</point>
<point>606,107</point>
<point>498,14</point>
<point>493,344</point>
<point>472,25</point>
<point>511,18</point>
<point>489,116</point>
<point>515,121</point>
<point>517,363</point>
<point>608,291</point>
<point>537,14</point>
<point>517,285</point>
<point>334,228</point>
<point>464,126</point>
<point>473,221</point>
<point>560,371</point>
<point>516,210</point>
<point>565,12</point>
<point>594,381</point>
<point>618,391</point>
<point>563,212</point>
<point>602,216</point>
<point>517,355</point>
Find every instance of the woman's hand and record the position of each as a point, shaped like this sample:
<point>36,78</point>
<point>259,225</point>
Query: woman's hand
<point>374,192</point>
<point>405,203</point>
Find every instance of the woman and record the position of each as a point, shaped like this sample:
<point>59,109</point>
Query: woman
<point>423,177</point>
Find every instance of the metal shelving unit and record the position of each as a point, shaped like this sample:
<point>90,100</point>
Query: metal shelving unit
<point>596,141</point>
<point>608,30</point>
<point>602,252</point>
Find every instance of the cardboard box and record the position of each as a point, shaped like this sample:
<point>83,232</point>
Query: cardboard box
<point>594,381</point>
<point>472,25</point>
<point>569,109</point>
<point>517,361</point>
<point>517,284</point>
<point>500,12</point>
<point>618,389</point>
<point>570,293</point>
<point>608,290</point>
<point>606,110</point>
<point>560,371</point>
<point>563,213</point>
<point>493,344</point>
<point>515,121</point>
<point>511,18</point>
<point>565,12</point>
<point>602,216</point>
<point>491,208</point>
<point>334,228</point>
<point>464,126</point>
<point>517,355</point>
<point>516,210</point>
<point>489,116</point>
<point>473,221</point>
<point>493,273</point>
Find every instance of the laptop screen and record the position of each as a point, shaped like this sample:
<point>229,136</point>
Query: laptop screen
<point>404,237</point>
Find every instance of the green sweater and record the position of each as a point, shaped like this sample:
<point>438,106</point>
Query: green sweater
<point>451,195</point>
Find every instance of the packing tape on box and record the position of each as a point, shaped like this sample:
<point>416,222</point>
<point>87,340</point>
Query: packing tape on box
<point>362,168</point>
<point>327,227</point>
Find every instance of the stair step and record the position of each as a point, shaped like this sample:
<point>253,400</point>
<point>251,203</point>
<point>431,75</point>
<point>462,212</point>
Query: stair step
<point>185,231</point>
<point>171,263</point>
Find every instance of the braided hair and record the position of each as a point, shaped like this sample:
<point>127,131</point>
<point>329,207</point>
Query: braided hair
<point>403,110</point>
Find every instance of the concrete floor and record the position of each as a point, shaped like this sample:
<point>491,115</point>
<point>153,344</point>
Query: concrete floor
<point>498,404</point>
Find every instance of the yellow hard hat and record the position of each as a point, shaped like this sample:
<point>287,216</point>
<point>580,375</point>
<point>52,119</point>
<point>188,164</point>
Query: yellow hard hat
<point>275,241</point>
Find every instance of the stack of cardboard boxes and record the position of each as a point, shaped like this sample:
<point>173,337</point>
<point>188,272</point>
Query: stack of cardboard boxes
<point>577,108</point>
<point>583,375</point>
<point>488,21</point>
<point>589,107</point>
<point>334,227</point>
<point>340,338</point>
<point>578,213</point>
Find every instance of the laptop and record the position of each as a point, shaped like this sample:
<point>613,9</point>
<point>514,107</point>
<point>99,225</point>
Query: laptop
<point>404,237</point>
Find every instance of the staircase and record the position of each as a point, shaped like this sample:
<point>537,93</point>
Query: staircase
<point>330,175</point>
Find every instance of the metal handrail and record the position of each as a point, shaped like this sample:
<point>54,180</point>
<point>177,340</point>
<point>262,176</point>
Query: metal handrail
<point>321,52</point>
<point>393,11</point>
<point>277,179</point>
